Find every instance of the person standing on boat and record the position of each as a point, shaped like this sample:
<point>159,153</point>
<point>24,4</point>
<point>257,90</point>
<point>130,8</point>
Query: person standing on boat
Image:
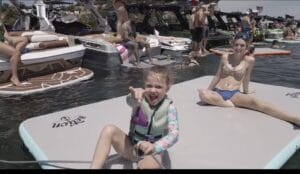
<point>288,32</point>
<point>252,29</point>
<point>132,41</point>
<point>199,20</point>
<point>235,70</point>
<point>195,36</point>
<point>200,27</point>
<point>246,32</point>
<point>153,127</point>
<point>246,28</point>
<point>207,10</point>
<point>11,46</point>
<point>122,15</point>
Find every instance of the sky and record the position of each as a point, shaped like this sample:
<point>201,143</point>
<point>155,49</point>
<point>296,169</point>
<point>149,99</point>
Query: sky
<point>271,7</point>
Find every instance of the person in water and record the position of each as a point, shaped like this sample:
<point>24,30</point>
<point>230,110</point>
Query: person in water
<point>153,126</point>
<point>235,70</point>
<point>289,33</point>
<point>11,47</point>
<point>276,45</point>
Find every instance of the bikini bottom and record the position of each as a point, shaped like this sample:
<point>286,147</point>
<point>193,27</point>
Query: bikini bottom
<point>226,94</point>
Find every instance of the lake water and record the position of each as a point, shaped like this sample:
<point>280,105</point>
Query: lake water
<point>275,70</point>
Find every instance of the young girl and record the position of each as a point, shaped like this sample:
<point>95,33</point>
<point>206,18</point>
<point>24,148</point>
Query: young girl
<point>235,70</point>
<point>153,125</point>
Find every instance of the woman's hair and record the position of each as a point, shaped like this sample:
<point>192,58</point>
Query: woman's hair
<point>162,71</point>
<point>241,35</point>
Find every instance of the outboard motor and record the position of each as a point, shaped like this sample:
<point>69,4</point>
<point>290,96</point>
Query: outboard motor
<point>45,24</point>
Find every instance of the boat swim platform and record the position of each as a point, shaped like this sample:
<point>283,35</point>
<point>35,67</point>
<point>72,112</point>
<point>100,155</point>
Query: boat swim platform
<point>257,52</point>
<point>210,137</point>
<point>46,82</point>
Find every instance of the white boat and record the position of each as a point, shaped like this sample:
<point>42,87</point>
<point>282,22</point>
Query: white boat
<point>41,60</point>
<point>273,34</point>
<point>108,54</point>
<point>277,34</point>
<point>174,43</point>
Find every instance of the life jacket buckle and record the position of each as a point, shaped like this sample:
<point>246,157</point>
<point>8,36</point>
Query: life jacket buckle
<point>150,138</point>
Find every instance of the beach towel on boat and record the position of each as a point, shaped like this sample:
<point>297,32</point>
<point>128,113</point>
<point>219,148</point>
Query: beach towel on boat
<point>47,44</point>
<point>31,33</point>
<point>123,53</point>
<point>44,38</point>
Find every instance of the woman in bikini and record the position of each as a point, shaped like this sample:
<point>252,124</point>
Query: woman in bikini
<point>235,70</point>
<point>11,46</point>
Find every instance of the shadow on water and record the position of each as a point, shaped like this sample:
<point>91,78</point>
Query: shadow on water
<point>276,70</point>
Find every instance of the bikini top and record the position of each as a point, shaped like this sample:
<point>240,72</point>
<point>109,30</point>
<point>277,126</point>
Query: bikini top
<point>237,72</point>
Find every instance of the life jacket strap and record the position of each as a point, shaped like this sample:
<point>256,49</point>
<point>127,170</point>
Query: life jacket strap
<point>151,138</point>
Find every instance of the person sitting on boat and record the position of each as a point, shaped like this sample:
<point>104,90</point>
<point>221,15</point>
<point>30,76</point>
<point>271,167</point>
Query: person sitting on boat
<point>235,70</point>
<point>132,41</point>
<point>11,46</point>
<point>153,127</point>
<point>122,15</point>
<point>289,33</point>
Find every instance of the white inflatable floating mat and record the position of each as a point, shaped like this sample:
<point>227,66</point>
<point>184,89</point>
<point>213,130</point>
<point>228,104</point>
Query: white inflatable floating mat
<point>257,51</point>
<point>210,137</point>
<point>284,41</point>
<point>46,82</point>
<point>146,64</point>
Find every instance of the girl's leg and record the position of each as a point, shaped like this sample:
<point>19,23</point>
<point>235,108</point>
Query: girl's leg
<point>148,162</point>
<point>115,137</point>
<point>213,98</point>
<point>19,42</point>
<point>246,101</point>
<point>14,59</point>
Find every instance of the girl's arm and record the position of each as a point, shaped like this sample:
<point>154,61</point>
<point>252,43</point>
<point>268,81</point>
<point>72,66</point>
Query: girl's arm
<point>135,96</point>
<point>173,132</point>
<point>250,60</point>
<point>216,79</point>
